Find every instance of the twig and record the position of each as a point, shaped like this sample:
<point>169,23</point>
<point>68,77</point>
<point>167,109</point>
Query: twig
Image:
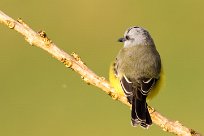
<point>73,61</point>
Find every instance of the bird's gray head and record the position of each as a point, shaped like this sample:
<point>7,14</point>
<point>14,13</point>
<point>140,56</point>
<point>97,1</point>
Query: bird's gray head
<point>136,36</point>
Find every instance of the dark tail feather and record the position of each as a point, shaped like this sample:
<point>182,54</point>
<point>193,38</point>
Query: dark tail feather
<point>134,119</point>
<point>141,109</point>
<point>148,118</point>
<point>140,114</point>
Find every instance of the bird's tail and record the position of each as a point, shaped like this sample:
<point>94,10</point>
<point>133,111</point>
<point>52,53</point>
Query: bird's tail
<point>140,114</point>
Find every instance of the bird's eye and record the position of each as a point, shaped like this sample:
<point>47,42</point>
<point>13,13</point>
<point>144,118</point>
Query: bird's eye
<point>127,37</point>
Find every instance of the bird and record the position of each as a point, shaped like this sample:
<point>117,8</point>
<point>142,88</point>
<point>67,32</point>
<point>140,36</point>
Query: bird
<point>137,72</point>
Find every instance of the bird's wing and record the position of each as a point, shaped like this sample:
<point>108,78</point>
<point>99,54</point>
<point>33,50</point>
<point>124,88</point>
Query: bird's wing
<point>127,85</point>
<point>146,84</point>
<point>136,95</point>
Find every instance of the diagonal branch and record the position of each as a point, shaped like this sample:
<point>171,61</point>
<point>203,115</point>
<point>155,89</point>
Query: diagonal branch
<point>73,61</point>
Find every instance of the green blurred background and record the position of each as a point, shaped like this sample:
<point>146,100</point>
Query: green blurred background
<point>39,96</point>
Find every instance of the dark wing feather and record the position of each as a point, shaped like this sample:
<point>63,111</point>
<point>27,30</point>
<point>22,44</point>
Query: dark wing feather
<point>136,96</point>
<point>147,84</point>
<point>127,87</point>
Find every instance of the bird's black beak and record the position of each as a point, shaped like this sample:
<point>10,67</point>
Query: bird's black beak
<point>121,39</point>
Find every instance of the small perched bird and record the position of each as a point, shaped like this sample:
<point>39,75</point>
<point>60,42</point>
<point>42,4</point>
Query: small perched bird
<point>136,72</point>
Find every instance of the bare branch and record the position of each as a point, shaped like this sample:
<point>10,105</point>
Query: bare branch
<point>73,61</point>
